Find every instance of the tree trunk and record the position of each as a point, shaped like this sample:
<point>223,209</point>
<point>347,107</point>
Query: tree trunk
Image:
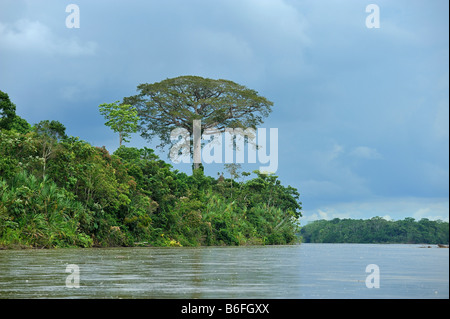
<point>197,143</point>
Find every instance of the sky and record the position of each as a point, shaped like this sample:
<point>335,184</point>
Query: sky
<point>362,113</point>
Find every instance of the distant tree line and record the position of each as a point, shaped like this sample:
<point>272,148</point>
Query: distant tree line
<point>376,230</point>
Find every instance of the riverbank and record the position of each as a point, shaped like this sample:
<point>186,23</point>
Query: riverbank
<point>84,196</point>
<point>144,245</point>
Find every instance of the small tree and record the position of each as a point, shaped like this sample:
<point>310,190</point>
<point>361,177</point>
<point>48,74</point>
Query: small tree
<point>49,133</point>
<point>121,118</point>
<point>233,170</point>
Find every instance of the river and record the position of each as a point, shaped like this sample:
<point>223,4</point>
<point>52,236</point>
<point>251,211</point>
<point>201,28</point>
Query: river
<point>286,272</point>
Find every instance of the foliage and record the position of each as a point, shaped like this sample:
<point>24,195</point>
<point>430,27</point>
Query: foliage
<point>7,111</point>
<point>88,197</point>
<point>376,230</point>
<point>60,191</point>
<point>121,118</point>
<point>53,130</point>
<point>9,120</point>
<point>20,125</point>
<point>39,214</point>
<point>48,133</point>
<point>175,103</point>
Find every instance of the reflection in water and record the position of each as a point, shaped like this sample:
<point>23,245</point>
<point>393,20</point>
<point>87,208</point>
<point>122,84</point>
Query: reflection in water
<point>304,271</point>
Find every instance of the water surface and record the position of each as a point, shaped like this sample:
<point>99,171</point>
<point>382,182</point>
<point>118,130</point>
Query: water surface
<point>301,271</point>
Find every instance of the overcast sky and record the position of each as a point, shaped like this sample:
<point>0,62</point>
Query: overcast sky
<point>362,113</point>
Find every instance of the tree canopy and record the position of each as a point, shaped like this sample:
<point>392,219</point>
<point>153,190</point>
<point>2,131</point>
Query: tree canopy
<point>54,130</point>
<point>7,111</point>
<point>60,191</point>
<point>9,120</point>
<point>121,118</point>
<point>177,102</point>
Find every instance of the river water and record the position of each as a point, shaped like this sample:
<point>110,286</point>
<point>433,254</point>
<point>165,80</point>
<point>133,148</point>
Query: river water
<point>287,272</point>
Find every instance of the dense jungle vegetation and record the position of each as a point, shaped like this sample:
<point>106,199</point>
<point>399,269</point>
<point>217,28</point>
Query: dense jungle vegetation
<point>376,230</point>
<point>60,191</point>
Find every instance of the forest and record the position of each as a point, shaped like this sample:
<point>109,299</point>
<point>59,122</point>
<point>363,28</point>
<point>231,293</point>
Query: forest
<point>376,230</point>
<point>60,191</point>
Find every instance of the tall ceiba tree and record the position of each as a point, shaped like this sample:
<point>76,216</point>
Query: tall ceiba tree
<point>177,102</point>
